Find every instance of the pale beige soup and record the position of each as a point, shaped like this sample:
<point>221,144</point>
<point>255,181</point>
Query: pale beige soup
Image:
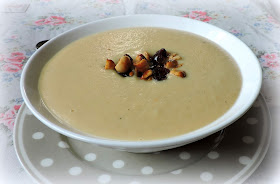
<point>77,89</point>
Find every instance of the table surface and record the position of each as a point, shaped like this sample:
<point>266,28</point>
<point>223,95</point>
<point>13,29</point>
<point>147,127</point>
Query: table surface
<point>23,23</point>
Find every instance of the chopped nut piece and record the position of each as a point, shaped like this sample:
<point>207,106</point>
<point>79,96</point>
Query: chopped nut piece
<point>179,65</point>
<point>123,65</point>
<point>171,64</point>
<point>147,56</point>
<point>147,74</point>
<point>178,73</point>
<point>142,65</point>
<point>139,57</point>
<point>129,57</point>
<point>131,73</point>
<point>148,67</point>
<point>174,57</point>
<point>110,65</point>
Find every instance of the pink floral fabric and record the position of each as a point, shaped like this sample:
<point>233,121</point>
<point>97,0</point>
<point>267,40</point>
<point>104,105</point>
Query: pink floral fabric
<point>8,117</point>
<point>13,62</point>
<point>270,61</point>
<point>198,15</point>
<point>51,20</point>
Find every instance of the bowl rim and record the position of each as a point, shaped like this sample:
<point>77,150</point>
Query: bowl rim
<point>158,143</point>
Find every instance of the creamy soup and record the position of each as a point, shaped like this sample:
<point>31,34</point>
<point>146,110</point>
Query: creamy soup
<point>77,89</point>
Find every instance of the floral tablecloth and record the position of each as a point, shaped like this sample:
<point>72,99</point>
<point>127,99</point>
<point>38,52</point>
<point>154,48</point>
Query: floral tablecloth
<point>24,23</point>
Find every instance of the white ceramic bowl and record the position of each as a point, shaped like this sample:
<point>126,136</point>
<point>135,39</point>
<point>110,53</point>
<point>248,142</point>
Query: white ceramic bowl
<point>246,61</point>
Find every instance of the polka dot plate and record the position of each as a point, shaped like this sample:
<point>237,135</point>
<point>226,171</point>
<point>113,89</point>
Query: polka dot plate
<point>228,156</point>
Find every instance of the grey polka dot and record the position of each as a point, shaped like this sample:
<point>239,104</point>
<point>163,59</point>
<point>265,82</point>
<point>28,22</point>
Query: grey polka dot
<point>104,178</point>
<point>252,121</point>
<point>244,160</point>
<point>179,171</point>
<point>213,155</point>
<point>75,171</point>
<point>185,155</point>
<point>147,170</point>
<point>135,182</point>
<point>90,157</point>
<point>38,135</point>
<point>206,176</point>
<point>248,139</point>
<point>47,162</point>
<point>63,144</point>
<point>118,164</point>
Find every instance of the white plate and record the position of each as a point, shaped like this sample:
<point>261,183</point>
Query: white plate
<point>229,156</point>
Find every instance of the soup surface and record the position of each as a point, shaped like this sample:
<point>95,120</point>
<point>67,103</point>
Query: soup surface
<point>77,89</point>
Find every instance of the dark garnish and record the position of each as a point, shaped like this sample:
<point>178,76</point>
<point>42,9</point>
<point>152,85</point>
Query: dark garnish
<point>160,58</point>
<point>160,73</point>
<point>139,74</point>
<point>148,68</point>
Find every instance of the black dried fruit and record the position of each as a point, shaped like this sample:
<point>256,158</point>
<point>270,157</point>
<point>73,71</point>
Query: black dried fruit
<point>160,57</point>
<point>160,73</point>
<point>139,74</point>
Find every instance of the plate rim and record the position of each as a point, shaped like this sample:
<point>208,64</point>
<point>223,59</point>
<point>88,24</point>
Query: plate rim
<point>243,174</point>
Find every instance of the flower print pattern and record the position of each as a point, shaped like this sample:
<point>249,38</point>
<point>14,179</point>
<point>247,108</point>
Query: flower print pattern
<point>13,63</point>
<point>266,23</point>
<point>12,67</point>
<point>272,20</point>
<point>1,57</point>
<point>8,117</point>
<point>198,15</point>
<point>16,57</point>
<point>269,56</point>
<point>270,61</point>
<point>12,38</point>
<point>51,20</point>
<point>237,33</point>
